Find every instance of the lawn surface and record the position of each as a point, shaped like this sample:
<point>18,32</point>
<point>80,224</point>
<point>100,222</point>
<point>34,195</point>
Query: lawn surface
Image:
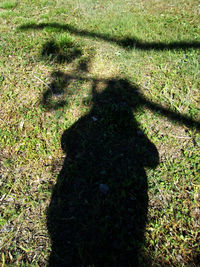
<point>99,133</point>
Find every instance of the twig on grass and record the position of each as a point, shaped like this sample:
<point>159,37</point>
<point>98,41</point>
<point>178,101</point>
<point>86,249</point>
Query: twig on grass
<point>43,83</point>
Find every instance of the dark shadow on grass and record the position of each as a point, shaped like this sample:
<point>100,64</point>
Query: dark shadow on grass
<point>57,95</point>
<point>61,52</point>
<point>125,42</point>
<point>98,209</point>
<point>61,81</point>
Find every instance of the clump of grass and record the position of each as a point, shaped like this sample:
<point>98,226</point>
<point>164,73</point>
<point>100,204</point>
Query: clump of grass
<point>61,49</point>
<point>8,5</point>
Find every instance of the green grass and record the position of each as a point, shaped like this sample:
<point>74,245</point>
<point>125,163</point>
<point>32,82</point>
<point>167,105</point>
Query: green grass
<point>8,5</point>
<point>52,54</point>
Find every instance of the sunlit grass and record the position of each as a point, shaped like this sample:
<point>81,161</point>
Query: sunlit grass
<point>30,150</point>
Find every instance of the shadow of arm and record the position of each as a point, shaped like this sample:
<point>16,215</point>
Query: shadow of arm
<point>173,116</point>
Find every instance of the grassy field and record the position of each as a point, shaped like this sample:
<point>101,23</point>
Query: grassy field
<point>115,86</point>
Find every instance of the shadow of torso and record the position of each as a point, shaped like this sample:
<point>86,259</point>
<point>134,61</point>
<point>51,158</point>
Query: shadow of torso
<point>98,209</point>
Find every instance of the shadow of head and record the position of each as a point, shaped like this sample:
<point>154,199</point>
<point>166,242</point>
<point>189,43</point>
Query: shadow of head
<point>117,92</point>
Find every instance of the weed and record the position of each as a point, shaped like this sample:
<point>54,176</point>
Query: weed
<point>8,5</point>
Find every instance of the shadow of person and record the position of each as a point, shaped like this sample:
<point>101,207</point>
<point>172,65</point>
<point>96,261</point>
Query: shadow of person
<point>98,209</point>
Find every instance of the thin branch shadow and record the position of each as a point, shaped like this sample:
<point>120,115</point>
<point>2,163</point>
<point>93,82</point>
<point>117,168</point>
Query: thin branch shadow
<point>127,42</point>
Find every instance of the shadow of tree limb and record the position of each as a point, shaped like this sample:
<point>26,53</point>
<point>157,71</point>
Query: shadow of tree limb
<point>126,42</point>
